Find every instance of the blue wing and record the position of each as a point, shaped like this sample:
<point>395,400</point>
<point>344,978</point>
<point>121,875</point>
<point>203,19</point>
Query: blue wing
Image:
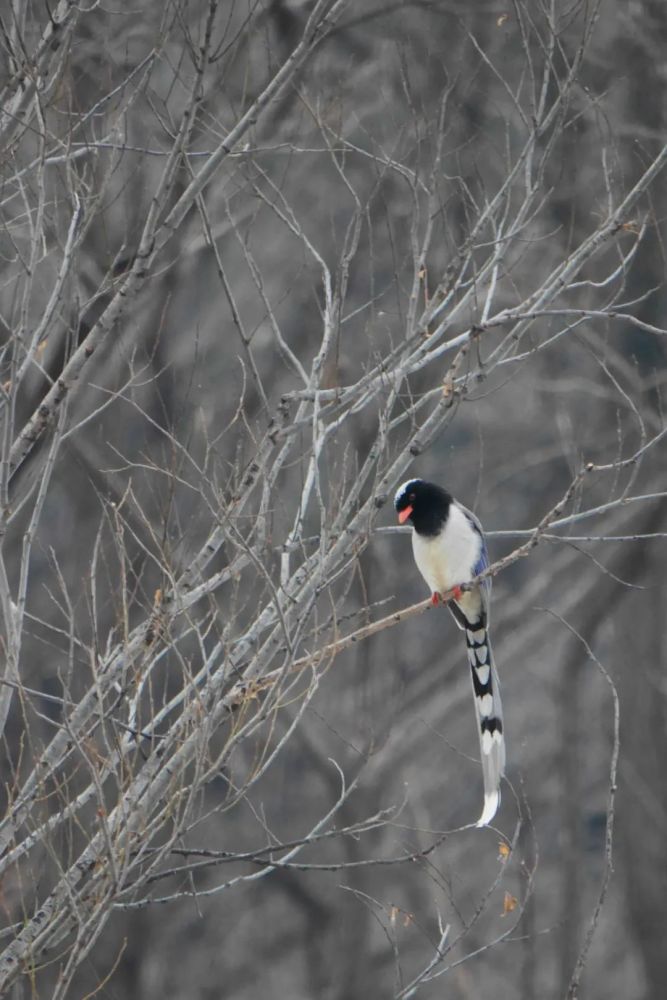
<point>483,561</point>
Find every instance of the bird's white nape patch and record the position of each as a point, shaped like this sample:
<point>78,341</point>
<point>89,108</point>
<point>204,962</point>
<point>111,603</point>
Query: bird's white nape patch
<point>403,488</point>
<point>481,653</point>
<point>483,670</point>
<point>486,706</point>
<point>491,803</point>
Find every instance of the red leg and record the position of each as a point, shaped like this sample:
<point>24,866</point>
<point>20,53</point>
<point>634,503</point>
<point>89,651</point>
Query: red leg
<point>435,598</point>
<point>457,593</point>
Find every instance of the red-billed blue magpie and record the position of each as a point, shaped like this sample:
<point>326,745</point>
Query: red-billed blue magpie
<point>449,548</point>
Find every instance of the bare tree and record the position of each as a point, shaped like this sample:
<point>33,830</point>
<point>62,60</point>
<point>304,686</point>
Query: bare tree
<point>259,261</point>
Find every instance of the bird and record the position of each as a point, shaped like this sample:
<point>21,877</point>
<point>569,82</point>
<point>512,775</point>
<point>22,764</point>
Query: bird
<point>450,550</point>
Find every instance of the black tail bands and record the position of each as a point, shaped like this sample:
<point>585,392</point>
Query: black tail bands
<point>479,655</point>
<point>489,713</point>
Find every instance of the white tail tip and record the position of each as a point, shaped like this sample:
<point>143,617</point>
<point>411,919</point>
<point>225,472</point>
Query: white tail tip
<point>491,803</point>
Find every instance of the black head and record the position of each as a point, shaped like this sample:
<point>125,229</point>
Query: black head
<point>424,504</point>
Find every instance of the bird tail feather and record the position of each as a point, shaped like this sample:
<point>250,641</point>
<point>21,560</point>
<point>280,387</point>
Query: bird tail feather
<point>488,707</point>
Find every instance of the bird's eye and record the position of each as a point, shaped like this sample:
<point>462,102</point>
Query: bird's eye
<point>412,498</point>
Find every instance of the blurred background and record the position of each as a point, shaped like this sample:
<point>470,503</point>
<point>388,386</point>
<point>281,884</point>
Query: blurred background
<point>195,358</point>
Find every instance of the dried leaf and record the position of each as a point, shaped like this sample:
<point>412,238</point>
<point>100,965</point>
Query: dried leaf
<point>509,903</point>
<point>503,850</point>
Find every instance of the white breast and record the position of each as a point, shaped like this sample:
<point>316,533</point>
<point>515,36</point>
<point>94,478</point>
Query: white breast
<point>448,558</point>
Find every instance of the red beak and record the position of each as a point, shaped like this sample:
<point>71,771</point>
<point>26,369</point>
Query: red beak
<point>404,514</point>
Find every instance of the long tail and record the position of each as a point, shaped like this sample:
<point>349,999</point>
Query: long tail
<point>489,713</point>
